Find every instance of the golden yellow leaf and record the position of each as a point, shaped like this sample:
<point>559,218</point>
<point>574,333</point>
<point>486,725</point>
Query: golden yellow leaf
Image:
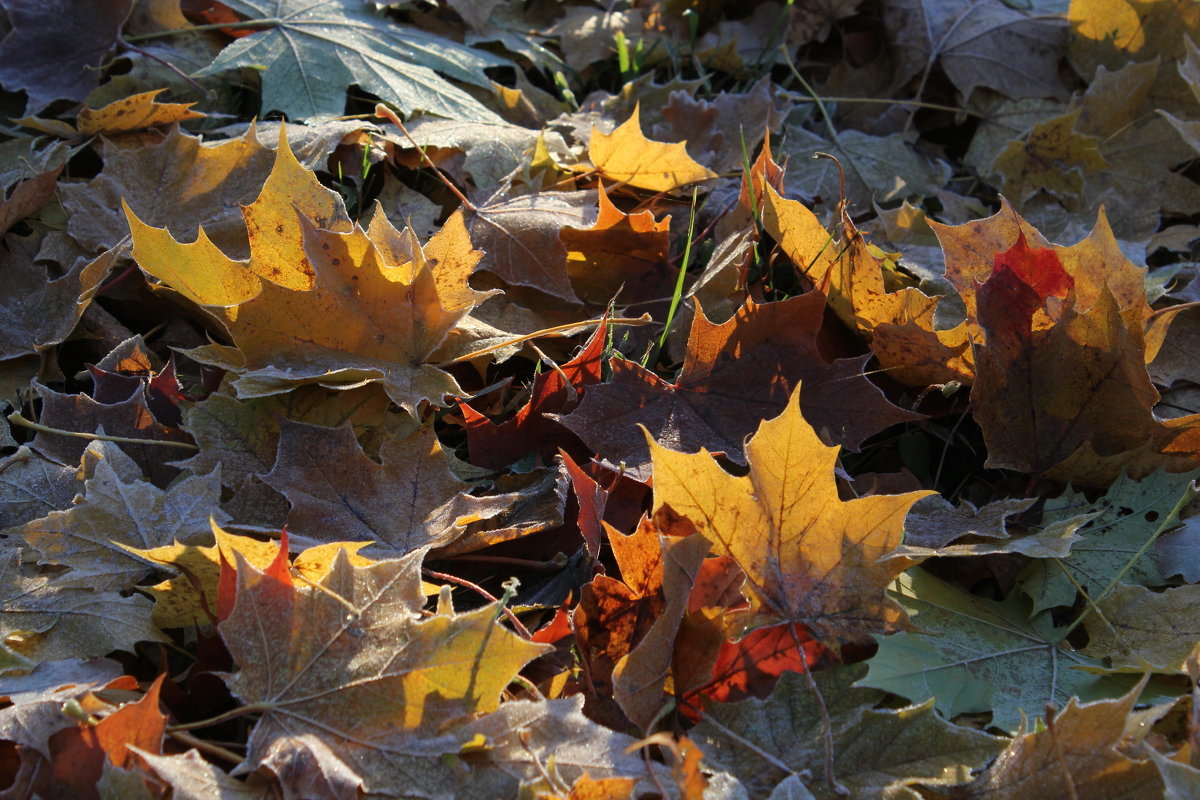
<point>133,113</point>
<point>206,276</point>
<point>627,156</point>
<point>899,324</point>
<point>808,556</point>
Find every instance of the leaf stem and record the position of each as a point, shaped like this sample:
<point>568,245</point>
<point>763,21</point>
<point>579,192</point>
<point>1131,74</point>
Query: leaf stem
<point>16,419</point>
<point>232,713</point>
<point>383,111</point>
<point>484,593</point>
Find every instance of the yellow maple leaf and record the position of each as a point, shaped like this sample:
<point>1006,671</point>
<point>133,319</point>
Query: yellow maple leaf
<point>206,276</point>
<point>899,325</point>
<point>627,156</point>
<point>133,113</point>
<point>808,556</point>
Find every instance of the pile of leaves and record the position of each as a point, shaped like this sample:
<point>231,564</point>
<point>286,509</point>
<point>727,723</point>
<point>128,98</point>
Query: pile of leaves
<point>578,400</point>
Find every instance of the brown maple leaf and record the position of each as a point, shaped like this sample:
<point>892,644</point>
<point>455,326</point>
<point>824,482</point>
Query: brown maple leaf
<point>349,676</point>
<point>734,375</point>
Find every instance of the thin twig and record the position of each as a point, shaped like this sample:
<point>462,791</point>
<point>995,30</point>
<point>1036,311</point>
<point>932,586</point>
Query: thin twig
<point>123,42</point>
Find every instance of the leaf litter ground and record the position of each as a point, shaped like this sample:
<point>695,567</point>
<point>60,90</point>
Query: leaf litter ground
<point>786,400</point>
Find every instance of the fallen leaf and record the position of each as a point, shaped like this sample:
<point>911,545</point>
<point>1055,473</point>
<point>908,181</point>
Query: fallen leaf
<point>734,375</point>
<point>203,274</point>
<point>410,501</point>
<point>364,320</point>
<point>34,58</point>
<point>973,43</point>
<point>116,509</point>
<point>397,63</point>
<point>1079,753</point>
<point>32,487</point>
<point>1133,628</point>
<point>41,311</point>
<point>1127,516</point>
<point>977,655</point>
<point>44,622</point>
<point>498,445</point>
<point>178,182</point>
<point>814,562</point>
<point>899,325</point>
<point>626,156</point>
<point>622,258</point>
<point>764,742</point>
<point>80,755</point>
<point>133,113</point>
<point>36,699</point>
<point>1054,158</point>
<point>338,690</point>
<point>193,778</point>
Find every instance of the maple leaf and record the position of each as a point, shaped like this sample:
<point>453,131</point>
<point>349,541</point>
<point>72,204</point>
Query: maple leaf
<point>734,375</point>
<point>190,776</point>
<point>42,621</point>
<point>115,509</point>
<point>191,598</point>
<point>1062,387</point>
<point>808,556</point>
<point>36,699</point>
<point>363,319</point>
<point>621,258</point>
<point>627,156</point>
<point>520,237</point>
<point>80,756</point>
<point>133,113</point>
<point>397,63</point>
<point>1054,158</point>
<point>977,655</point>
<point>496,446</point>
<point>625,629</point>
<point>41,311</point>
<point>1133,628</point>
<point>177,181</point>
<point>1122,521</point>
<point>410,501</point>
<point>778,742</point>
<point>355,688</point>
<point>1079,753</point>
<point>206,276</point>
<point>34,59</point>
<point>972,42</point>
<point>32,487</point>
<point>899,325</point>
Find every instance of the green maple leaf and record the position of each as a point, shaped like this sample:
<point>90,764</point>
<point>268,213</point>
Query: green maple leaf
<point>310,51</point>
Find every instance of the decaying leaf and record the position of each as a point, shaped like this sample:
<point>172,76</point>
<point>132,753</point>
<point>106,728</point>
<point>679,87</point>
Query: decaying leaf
<point>768,742</point>
<point>734,375</point>
<point>339,691</point>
